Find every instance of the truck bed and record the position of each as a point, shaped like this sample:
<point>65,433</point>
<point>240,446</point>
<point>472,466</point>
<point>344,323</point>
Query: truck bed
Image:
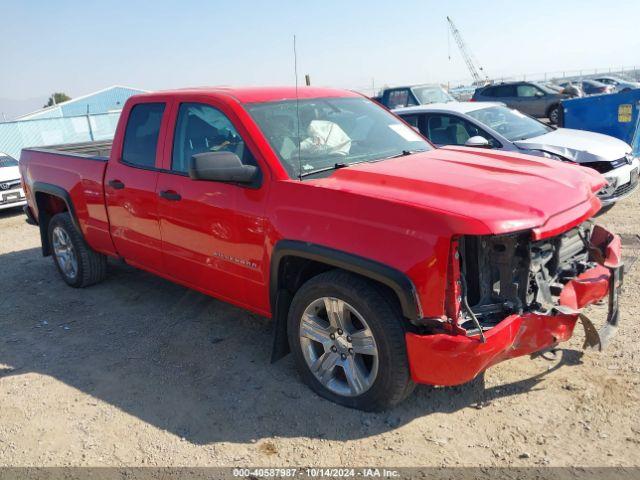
<point>99,150</point>
<point>75,172</point>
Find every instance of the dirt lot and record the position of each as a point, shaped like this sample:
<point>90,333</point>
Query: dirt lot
<point>138,371</point>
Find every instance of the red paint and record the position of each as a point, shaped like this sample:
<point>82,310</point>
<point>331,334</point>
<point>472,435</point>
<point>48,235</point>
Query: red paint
<point>455,359</point>
<point>402,212</point>
<point>587,288</point>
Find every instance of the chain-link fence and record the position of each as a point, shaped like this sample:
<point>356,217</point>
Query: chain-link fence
<point>14,136</point>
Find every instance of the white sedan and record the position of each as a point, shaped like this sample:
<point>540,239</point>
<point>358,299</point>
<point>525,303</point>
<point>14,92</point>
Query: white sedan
<point>493,125</point>
<point>11,193</point>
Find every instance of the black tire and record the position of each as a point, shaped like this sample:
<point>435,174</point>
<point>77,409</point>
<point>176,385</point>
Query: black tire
<point>91,265</point>
<point>553,114</point>
<point>392,382</point>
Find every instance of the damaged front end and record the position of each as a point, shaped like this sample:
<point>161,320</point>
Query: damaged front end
<point>514,295</point>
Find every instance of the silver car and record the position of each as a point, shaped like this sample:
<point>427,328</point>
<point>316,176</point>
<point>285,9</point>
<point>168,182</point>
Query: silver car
<point>618,84</point>
<point>532,98</point>
<point>493,125</point>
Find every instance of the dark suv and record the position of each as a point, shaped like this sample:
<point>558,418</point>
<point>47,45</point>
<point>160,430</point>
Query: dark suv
<point>531,98</point>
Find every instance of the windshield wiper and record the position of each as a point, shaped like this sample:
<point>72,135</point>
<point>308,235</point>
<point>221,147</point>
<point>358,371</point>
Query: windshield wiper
<point>335,166</point>
<point>403,153</point>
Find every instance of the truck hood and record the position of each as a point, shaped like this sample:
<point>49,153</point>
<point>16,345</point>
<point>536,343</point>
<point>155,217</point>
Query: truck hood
<point>9,173</point>
<point>504,191</point>
<point>578,145</point>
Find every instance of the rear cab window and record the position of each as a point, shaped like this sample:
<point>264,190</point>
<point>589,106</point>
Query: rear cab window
<point>401,97</point>
<point>141,135</point>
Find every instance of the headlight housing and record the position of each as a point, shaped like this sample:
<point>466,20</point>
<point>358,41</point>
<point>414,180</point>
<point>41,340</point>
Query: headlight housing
<point>553,156</point>
<point>609,189</point>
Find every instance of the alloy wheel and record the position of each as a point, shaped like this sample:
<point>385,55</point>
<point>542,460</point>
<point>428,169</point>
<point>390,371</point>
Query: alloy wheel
<point>65,252</point>
<point>338,346</point>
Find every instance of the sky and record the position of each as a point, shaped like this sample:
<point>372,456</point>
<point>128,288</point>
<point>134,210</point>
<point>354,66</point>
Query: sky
<point>81,46</point>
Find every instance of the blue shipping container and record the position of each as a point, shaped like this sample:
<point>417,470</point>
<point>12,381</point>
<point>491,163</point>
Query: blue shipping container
<point>615,114</point>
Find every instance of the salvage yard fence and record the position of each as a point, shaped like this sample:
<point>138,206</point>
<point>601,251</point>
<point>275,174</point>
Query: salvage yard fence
<point>14,136</point>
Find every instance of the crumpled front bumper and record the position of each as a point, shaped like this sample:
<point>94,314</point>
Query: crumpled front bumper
<point>444,359</point>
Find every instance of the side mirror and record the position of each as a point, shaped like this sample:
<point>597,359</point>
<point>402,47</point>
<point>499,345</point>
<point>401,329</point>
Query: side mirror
<point>221,167</point>
<point>539,94</point>
<point>477,142</point>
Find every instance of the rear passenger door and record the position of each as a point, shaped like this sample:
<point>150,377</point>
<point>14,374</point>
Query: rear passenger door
<point>130,186</point>
<point>505,94</point>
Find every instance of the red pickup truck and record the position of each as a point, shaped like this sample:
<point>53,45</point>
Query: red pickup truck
<point>382,261</point>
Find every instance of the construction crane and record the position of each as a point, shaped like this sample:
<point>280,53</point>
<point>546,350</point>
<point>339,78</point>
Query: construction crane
<point>468,56</point>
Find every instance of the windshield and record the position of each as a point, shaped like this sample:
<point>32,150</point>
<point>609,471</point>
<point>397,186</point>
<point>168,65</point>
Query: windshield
<point>511,124</point>
<point>426,95</point>
<point>6,161</point>
<point>333,133</point>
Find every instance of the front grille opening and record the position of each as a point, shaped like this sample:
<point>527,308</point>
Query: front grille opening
<point>506,274</point>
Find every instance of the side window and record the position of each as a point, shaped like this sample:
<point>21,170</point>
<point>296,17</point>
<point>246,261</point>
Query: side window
<point>504,91</point>
<point>203,128</point>
<point>141,134</point>
<point>411,120</point>
<point>488,92</point>
<point>527,91</point>
<point>444,129</point>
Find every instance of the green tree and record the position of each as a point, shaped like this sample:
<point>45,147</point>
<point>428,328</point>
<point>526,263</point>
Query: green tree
<point>56,98</point>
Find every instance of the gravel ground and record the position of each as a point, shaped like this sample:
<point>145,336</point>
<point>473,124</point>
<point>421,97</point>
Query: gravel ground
<point>138,371</point>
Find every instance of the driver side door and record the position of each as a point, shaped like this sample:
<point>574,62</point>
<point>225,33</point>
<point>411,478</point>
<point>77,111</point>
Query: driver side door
<point>531,100</point>
<point>212,232</point>
<point>445,129</point>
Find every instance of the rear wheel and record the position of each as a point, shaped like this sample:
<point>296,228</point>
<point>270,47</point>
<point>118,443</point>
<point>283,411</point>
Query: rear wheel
<point>554,114</point>
<point>348,342</point>
<point>78,264</point>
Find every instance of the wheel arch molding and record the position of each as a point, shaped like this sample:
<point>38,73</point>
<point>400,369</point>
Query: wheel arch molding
<point>43,215</point>
<point>281,297</point>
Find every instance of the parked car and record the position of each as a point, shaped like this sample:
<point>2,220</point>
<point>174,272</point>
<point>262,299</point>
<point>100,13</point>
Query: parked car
<point>619,84</point>
<point>493,125</point>
<point>382,261</point>
<point>11,193</point>
<point>590,87</point>
<point>413,95</point>
<point>531,98</point>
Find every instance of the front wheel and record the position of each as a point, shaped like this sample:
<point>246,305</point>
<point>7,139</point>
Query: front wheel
<point>78,264</point>
<point>348,341</point>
